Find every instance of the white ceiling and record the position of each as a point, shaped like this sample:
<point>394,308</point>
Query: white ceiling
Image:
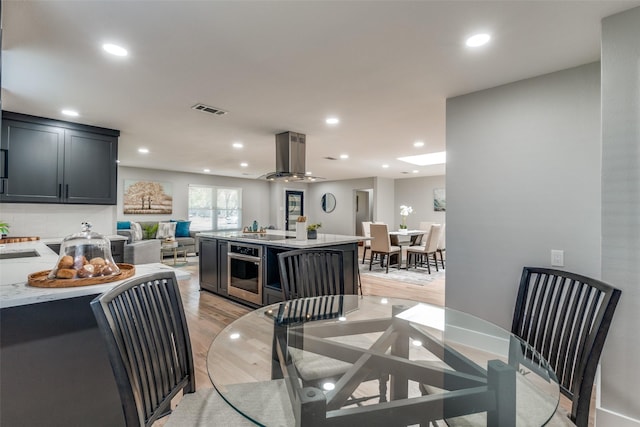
<point>384,67</point>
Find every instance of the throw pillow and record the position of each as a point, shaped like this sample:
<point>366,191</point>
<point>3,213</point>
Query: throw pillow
<point>182,228</point>
<point>137,231</point>
<point>124,225</point>
<point>166,230</point>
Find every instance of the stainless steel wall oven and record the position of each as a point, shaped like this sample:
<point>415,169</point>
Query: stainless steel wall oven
<point>245,272</point>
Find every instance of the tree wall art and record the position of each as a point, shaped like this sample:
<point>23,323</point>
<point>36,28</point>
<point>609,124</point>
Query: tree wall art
<point>147,197</point>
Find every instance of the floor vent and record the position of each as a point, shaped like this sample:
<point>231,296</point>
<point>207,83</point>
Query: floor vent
<point>209,109</point>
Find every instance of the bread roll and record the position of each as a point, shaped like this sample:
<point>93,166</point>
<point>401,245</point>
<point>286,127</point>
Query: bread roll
<point>66,273</point>
<point>65,262</point>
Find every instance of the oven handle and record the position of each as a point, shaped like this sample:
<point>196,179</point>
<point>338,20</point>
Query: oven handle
<point>244,257</point>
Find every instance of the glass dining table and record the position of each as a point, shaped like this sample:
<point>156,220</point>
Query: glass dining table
<point>420,363</point>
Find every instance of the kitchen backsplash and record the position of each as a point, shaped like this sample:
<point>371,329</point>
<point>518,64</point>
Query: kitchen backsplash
<point>51,220</point>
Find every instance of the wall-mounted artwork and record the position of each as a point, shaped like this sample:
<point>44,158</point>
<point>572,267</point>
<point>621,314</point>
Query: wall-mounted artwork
<point>439,200</point>
<point>147,197</point>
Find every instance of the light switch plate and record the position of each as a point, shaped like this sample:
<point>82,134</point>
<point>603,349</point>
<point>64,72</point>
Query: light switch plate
<point>557,258</point>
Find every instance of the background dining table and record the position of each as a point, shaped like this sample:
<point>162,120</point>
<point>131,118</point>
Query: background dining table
<point>439,362</point>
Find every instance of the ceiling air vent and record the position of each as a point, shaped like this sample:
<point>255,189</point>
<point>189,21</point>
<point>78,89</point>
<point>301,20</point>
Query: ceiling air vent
<point>209,109</point>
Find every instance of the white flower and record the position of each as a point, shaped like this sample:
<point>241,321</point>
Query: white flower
<point>405,210</point>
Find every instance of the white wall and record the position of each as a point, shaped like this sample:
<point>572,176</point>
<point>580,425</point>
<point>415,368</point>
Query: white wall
<point>620,372</point>
<point>384,208</point>
<point>418,193</point>
<point>255,193</point>
<point>343,219</point>
<point>51,220</point>
<point>523,177</point>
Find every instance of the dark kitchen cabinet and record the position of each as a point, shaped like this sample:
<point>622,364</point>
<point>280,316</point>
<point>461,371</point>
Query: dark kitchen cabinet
<point>213,265</point>
<point>49,161</point>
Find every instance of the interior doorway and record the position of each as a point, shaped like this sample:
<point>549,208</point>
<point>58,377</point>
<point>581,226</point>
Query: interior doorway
<point>294,202</point>
<point>364,211</point>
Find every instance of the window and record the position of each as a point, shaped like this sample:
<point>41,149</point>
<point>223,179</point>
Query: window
<point>215,208</point>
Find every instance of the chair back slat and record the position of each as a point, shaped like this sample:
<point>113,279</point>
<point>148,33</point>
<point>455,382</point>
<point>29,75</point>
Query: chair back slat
<point>565,317</point>
<point>143,323</point>
<point>311,272</point>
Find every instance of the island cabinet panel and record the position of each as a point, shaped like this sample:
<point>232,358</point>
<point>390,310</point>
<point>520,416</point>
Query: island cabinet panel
<point>55,369</point>
<point>49,161</point>
<point>214,267</point>
<point>209,264</point>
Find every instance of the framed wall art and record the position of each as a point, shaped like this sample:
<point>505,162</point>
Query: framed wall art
<point>439,200</point>
<point>147,197</point>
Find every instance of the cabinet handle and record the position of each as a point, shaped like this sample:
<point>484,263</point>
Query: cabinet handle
<point>59,190</point>
<point>2,190</point>
<point>66,191</point>
<point>5,163</point>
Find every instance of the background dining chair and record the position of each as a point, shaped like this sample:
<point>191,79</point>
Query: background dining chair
<point>308,273</point>
<point>143,324</point>
<point>429,249</point>
<point>566,317</point>
<point>381,245</point>
<point>441,244</point>
<point>366,231</point>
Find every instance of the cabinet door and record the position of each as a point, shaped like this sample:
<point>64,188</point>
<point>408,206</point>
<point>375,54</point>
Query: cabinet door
<point>90,169</point>
<point>223,268</point>
<point>32,156</point>
<point>208,264</point>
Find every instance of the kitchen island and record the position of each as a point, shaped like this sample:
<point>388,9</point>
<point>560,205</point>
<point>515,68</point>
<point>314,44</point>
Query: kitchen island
<point>251,259</point>
<point>53,362</point>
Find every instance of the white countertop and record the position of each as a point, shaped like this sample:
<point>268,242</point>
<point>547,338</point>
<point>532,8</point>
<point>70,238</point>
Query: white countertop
<point>322,240</point>
<point>14,290</point>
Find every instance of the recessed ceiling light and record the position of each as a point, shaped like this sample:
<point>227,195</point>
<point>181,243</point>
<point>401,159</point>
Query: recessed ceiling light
<point>418,144</point>
<point>206,170</point>
<point>385,166</point>
<point>415,171</point>
<point>114,49</point>
<point>478,40</point>
<point>71,113</point>
<point>344,156</point>
<point>332,121</point>
<point>237,145</point>
<point>244,164</point>
<point>143,150</point>
<point>426,159</point>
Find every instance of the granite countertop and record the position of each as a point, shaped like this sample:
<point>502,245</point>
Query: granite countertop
<point>14,290</point>
<point>283,239</point>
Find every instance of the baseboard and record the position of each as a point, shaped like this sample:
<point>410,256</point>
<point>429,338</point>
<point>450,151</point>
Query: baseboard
<point>607,418</point>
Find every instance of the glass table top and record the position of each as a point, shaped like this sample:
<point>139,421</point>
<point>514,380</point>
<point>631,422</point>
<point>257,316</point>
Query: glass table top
<point>282,362</point>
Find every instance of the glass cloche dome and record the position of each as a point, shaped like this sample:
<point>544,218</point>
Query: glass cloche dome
<point>83,255</point>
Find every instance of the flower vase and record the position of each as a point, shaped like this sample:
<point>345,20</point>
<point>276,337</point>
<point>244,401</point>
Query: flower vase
<point>301,230</point>
<point>312,234</point>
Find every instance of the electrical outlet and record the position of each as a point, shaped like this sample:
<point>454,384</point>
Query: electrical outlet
<point>557,258</point>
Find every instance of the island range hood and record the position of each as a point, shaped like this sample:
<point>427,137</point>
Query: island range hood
<point>290,158</point>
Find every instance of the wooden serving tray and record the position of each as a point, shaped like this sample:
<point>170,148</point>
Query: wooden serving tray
<point>40,279</point>
<point>18,239</point>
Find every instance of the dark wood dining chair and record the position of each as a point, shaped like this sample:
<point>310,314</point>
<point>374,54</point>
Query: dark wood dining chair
<point>566,318</point>
<point>311,273</point>
<point>143,324</point>
<point>381,245</point>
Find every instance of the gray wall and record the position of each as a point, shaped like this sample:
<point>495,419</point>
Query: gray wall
<point>418,193</point>
<point>523,177</point>
<point>384,208</point>
<point>620,382</point>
